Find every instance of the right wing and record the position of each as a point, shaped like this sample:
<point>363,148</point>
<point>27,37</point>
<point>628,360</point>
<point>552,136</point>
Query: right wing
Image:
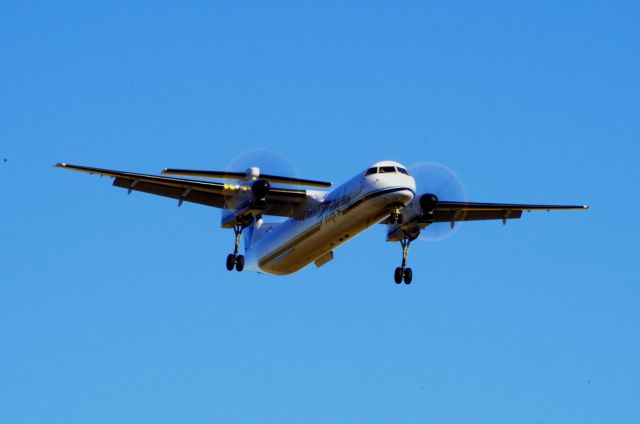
<point>279,201</point>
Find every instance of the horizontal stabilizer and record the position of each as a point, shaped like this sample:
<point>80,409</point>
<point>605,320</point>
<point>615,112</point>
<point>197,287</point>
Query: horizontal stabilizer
<point>244,176</point>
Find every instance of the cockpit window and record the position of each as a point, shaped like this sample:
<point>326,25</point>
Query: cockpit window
<point>387,169</point>
<point>371,171</point>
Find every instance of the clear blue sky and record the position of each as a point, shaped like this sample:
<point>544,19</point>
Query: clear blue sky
<point>118,309</point>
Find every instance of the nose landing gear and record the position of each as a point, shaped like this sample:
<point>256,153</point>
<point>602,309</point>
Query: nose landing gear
<point>233,259</point>
<point>403,272</point>
<point>396,216</point>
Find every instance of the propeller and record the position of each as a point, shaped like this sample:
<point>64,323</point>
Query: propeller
<point>263,162</point>
<point>259,162</point>
<point>436,182</point>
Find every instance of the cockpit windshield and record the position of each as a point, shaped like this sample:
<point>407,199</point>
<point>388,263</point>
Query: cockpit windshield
<point>386,170</point>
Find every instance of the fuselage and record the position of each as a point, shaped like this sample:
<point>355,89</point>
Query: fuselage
<point>336,217</point>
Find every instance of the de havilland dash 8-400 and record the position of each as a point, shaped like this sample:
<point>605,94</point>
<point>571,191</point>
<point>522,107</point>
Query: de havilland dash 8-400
<point>318,220</point>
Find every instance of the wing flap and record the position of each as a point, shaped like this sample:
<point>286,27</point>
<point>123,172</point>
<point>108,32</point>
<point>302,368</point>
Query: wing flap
<point>189,195</point>
<point>474,215</point>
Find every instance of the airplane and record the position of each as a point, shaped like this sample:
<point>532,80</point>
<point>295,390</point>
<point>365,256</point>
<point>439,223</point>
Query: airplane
<point>317,221</point>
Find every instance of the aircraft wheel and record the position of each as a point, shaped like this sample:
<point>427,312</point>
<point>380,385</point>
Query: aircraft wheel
<point>408,276</point>
<point>397,275</point>
<point>230,262</point>
<point>239,263</point>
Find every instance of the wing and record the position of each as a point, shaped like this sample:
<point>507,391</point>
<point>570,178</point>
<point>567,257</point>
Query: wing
<point>415,218</point>
<point>472,211</point>
<point>279,201</point>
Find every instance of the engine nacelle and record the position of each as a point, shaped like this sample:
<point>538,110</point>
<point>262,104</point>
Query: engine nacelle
<point>428,202</point>
<point>260,188</point>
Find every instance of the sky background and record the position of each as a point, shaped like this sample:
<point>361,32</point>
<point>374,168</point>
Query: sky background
<point>118,309</point>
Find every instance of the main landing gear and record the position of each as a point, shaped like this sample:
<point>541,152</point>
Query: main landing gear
<point>233,259</point>
<point>402,272</point>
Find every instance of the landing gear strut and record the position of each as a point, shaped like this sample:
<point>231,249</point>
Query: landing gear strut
<point>403,272</point>
<point>233,259</point>
<point>395,217</point>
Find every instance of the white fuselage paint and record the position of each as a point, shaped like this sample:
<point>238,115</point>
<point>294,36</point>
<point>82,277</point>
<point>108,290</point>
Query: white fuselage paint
<point>337,217</point>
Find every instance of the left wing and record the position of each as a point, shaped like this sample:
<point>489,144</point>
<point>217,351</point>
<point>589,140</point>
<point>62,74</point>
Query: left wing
<point>417,217</point>
<point>473,211</point>
<point>279,201</point>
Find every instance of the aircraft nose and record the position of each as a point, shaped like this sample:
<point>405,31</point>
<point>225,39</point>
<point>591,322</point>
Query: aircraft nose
<point>407,195</point>
<point>403,186</point>
<point>411,183</point>
<point>410,190</point>
<point>399,196</point>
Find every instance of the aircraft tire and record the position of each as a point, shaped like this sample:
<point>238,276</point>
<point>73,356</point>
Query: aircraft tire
<point>408,276</point>
<point>397,275</point>
<point>239,263</point>
<point>230,262</point>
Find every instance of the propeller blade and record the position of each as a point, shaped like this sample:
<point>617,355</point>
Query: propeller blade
<point>439,180</point>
